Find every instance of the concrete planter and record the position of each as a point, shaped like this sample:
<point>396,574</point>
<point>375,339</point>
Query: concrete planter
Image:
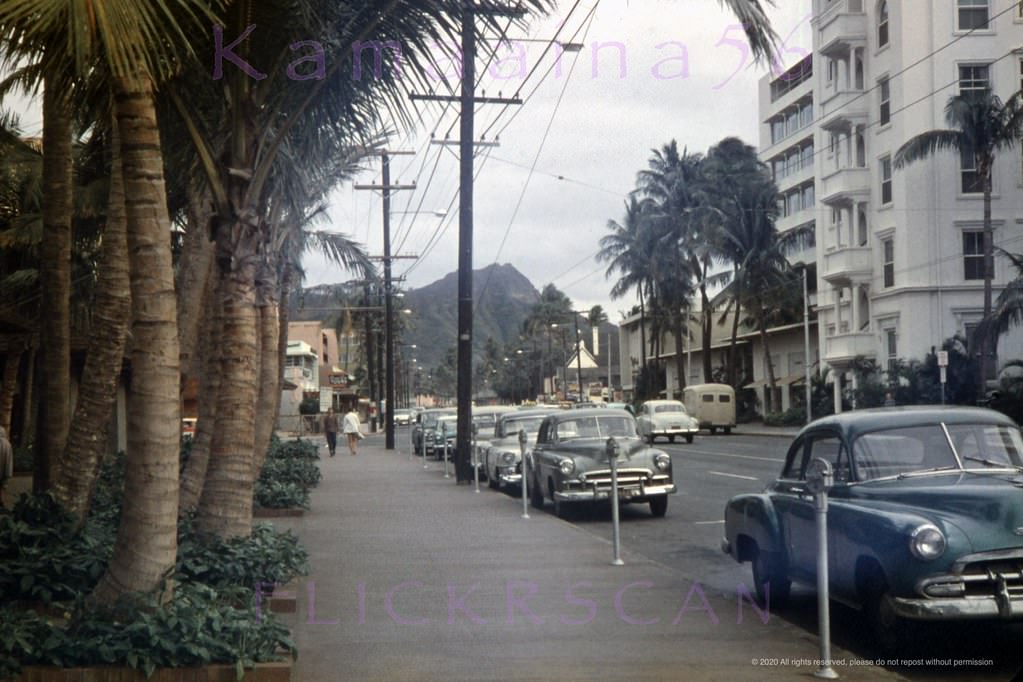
<point>269,513</point>
<point>261,672</point>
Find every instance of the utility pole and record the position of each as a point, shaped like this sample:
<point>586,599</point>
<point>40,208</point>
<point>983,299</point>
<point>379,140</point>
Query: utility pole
<point>386,187</point>
<point>467,100</point>
<point>578,356</point>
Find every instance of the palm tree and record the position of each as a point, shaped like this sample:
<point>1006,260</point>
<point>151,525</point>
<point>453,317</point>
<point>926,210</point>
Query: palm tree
<point>628,251</point>
<point>1008,307</point>
<point>672,183</point>
<point>980,126</point>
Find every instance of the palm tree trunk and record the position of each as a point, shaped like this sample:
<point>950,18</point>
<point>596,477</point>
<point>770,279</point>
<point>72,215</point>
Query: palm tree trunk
<point>30,400</point>
<point>55,281</point>
<point>283,315</point>
<point>732,368</point>
<point>680,361</point>
<point>87,442</point>
<point>987,343</point>
<point>225,506</point>
<point>769,394</point>
<point>146,547</point>
<point>12,364</point>
<point>195,268</point>
<point>706,321</point>
<point>194,476</point>
<point>269,366</point>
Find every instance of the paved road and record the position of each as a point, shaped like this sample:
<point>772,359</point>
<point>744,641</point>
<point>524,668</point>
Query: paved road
<point>710,471</point>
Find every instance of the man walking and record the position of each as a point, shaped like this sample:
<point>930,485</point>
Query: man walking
<point>352,429</point>
<point>330,430</point>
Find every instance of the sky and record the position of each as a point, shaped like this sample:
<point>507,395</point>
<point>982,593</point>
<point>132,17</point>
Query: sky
<point>649,71</point>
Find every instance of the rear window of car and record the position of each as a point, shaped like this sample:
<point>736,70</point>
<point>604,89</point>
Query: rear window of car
<point>708,398</point>
<point>669,408</point>
<point>724,398</point>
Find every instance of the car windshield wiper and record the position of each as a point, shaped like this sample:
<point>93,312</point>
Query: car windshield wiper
<point>947,467</point>
<point>992,463</point>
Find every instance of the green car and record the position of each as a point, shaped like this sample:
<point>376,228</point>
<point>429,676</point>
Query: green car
<point>925,517</point>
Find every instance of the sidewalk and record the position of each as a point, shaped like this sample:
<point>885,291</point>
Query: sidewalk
<point>416,578</point>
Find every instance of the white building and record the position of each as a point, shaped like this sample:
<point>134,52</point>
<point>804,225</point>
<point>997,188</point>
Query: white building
<point>899,250</point>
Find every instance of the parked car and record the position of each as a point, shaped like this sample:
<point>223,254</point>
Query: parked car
<point>570,463</point>
<point>665,418</point>
<point>427,422</point>
<point>403,416</point>
<point>188,427</point>
<point>484,421</point>
<point>713,406</point>
<point>445,429</point>
<point>925,517</point>
<point>502,457</point>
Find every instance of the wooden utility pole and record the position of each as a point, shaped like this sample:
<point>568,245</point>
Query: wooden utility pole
<point>386,187</point>
<point>467,100</point>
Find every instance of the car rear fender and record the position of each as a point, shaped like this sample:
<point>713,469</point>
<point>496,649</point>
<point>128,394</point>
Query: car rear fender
<point>752,521</point>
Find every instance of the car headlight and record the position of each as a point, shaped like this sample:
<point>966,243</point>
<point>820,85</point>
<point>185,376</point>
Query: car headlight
<point>662,462</point>
<point>507,457</point>
<point>567,466</point>
<point>927,542</point>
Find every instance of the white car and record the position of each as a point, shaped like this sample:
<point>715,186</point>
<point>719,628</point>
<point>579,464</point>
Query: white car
<point>666,418</point>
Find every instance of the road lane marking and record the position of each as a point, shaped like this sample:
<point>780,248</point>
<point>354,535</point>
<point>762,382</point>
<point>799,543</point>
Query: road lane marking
<point>707,523</point>
<point>746,478</point>
<point>722,454</point>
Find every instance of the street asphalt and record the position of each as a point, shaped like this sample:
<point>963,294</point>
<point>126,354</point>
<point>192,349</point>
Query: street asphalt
<point>417,578</point>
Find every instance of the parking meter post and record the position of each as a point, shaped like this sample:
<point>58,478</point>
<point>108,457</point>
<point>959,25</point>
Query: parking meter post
<point>444,437</point>
<point>475,463</point>
<point>525,472</point>
<point>819,479</point>
<point>612,458</point>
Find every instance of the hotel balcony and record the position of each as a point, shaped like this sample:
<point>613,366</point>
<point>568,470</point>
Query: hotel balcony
<point>840,349</point>
<point>843,108</point>
<point>846,264</point>
<point>842,25</point>
<point>845,185</point>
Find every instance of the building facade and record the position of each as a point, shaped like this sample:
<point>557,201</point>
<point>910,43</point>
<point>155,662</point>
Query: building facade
<point>899,250</point>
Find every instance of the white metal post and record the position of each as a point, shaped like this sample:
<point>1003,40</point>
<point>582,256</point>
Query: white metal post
<point>444,438</point>
<point>525,472</point>
<point>612,459</point>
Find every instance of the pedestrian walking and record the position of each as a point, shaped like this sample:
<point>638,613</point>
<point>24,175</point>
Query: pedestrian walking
<point>330,430</point>
<point>352,429</point>
<point>889,399</point>
<point>6,462</point>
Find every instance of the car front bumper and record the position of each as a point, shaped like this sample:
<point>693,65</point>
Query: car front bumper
<point>999,606</point>
<point>509,475</point>
<point>675,431</point>
<point>626,493</point>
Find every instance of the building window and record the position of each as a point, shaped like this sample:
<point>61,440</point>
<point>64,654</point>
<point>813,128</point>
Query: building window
<point>807,156</point>
<point>886,104</point>
<point>891,349</point>
<point>973,255</point>
<point>882,24</point>
<point>974,78</point>
<point>832,70</point>
<point>777,130</point>
<point>972,183</point>
<point>886,180</point>
<point>808,198</point>
<point>888,247</point>
<point>972,14</point>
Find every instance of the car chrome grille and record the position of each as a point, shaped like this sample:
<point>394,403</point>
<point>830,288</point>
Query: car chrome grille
<point>601,478</point>
<point>986,574</point>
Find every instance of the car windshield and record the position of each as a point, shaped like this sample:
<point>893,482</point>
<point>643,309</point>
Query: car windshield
<point>512,426</point>
<point>894,452</point>
<point>596,427</point>
<point>987,445</point>
<point>484,420</point>
<point>669,408</point>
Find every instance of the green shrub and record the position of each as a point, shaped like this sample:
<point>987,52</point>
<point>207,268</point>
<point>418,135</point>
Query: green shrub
<point>265,557</point>
<point>795,416</point>
<point>301,471</point>
<point>199,626</point>
<point>278,495</point>
<point>293,449</point>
